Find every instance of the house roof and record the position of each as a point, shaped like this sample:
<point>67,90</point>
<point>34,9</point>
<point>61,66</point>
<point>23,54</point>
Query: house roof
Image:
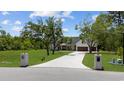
<point>63,44</point>
<point>79,43</point>
<point>75,40</point>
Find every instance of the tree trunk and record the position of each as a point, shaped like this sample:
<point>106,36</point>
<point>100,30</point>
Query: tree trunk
<point>90,50</point>
<point>54,45</point>
<point>53,49</point>
<point>47,51</point>
<point>98,47</point>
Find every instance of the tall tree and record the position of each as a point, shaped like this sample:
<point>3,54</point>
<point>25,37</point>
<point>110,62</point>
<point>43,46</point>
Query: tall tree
<point>87,34</point>
<point>101,27</point>
<point>55,29</point>
<point>117,16</point>
<point>118,22</point>
<point>39,31</point>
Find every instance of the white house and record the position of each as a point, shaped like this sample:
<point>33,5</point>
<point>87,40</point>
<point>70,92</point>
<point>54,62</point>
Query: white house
<point>83,46</point>
<point>77,45</point>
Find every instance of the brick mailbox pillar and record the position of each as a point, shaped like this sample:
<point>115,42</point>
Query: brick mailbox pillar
<point>98,62</point>
<point>24,60</point>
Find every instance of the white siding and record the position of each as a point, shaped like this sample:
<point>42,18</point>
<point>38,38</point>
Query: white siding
<point>80,44</point>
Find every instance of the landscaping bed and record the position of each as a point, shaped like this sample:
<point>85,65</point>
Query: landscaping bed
<point>106,59</point>
<point>12,58</point>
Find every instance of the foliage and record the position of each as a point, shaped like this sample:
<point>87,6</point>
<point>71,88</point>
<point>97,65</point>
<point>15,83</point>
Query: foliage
<point>54,27</point>
<point>67,40</point>
<point>117,17</point>
<point>49,32</point>
<point>87,34</point>
<point>120,52</point>
<point>101,26</point>
<point>105,32</point>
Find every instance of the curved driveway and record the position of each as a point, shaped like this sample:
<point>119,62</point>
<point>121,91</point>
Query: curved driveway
<point>72,60</point>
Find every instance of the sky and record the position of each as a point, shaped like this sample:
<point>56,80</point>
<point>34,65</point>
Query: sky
<point>13,21</point>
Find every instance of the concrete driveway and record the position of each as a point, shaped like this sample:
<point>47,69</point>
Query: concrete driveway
<point>72,60</point>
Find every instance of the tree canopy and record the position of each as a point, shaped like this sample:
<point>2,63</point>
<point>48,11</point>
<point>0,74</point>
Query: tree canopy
<point>105,32</point>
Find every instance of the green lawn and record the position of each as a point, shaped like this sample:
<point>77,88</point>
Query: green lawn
<point>12,58</point>
<point>106,58</point>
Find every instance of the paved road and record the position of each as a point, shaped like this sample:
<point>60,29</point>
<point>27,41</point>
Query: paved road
<point>72,60</point>
<point>57,74</point>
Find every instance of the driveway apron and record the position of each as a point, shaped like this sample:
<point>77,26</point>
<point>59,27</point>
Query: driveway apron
<point>72,60</point>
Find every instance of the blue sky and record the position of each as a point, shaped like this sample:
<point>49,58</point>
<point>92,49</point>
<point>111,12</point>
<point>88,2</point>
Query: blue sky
<point>13,21</point>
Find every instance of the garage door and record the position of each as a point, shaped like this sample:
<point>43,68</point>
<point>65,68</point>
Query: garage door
<point>63,47</point>
<point>93,48</point>
<point>82,48</point>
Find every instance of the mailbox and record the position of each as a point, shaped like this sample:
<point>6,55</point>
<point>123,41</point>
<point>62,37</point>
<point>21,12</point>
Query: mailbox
<point>98,58</point>
<point>98,62</point>
<point>24,60</point>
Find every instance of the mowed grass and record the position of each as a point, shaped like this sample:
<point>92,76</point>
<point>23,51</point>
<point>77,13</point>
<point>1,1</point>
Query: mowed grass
<point>106,58</point>
<point>12,58</point>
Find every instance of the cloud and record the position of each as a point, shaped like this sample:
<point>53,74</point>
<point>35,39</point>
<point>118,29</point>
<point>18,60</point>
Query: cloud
<point>17,28</point>
<point>5,13</point>
<point>63,20</point>
<point>67,14</point>
<point>44,13</point>
<point>59,14</point>
<point>5,22</point>
<point>94,17</point>
<point>65,30</point>
<point>17,22</point>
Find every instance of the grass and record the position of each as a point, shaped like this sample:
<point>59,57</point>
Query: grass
<point>12,58</point>
<point>106,58</point>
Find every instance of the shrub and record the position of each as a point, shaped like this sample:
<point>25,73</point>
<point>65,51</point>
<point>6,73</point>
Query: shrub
<point>120,52</point>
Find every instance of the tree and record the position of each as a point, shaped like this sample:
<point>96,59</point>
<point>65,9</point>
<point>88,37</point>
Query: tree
<point>49,32</point>
<point>27,44</point>
<point>16,43</point>
<point>2,32</point>
<point>117,17</point>
<point>55,29</point>
<point>5,40</point>
<point>38,31</point>
<point>58,33</point>
<point>87,34</point>
<point>118,23</point>
<point>67,40</point>
<point>102,27</point>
